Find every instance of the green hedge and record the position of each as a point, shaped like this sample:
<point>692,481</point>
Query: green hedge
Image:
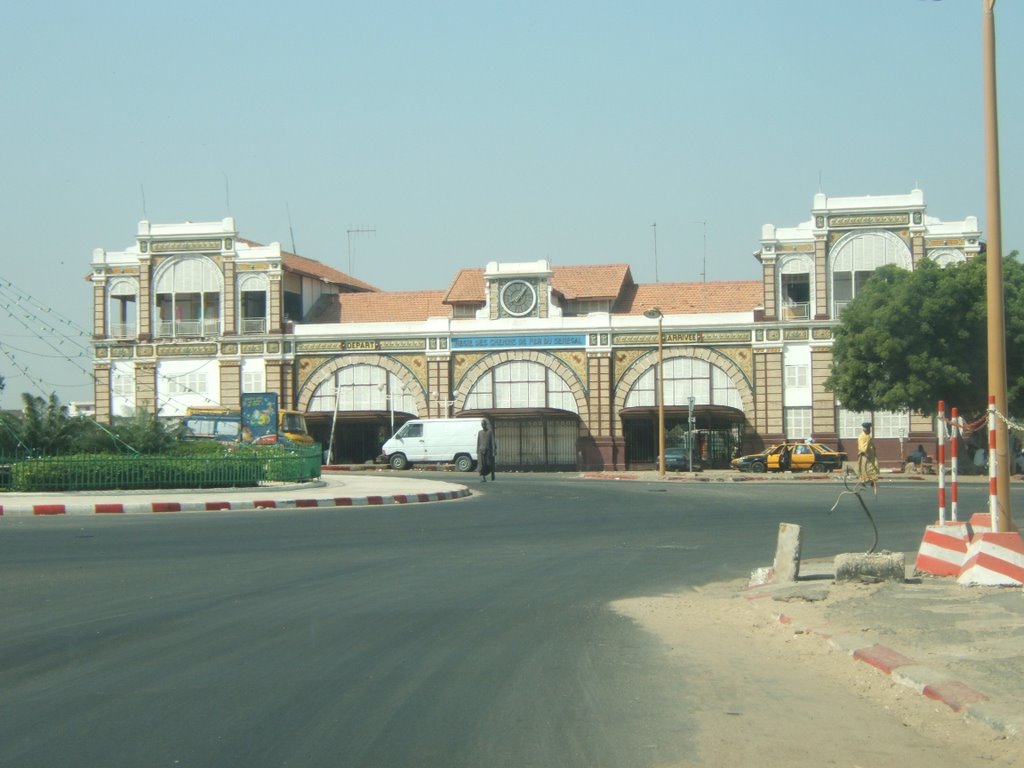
<point>196,465</point>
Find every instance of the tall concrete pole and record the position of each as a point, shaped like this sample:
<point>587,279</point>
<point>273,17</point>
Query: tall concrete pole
<point>994,268</point>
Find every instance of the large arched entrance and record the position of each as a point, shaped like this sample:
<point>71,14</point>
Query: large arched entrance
<point>356,403</point>
<point>534,406</point>
<point>706,399</point>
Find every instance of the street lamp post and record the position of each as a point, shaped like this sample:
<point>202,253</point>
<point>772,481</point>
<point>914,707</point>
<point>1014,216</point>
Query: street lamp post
<point>438,398</point>
<point>391,404</point>
<point>655,314</point>
<point>689,424</point>
<point>334,422</point>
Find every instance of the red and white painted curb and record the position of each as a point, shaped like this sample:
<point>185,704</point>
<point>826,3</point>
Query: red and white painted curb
<point>99,508</point>
<point>904,670</point>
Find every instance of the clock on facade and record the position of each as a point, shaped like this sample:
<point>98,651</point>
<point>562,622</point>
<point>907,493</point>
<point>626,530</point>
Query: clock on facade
<point>518,297</point>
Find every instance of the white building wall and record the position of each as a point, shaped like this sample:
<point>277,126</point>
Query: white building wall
<point>122,389</point>
<point>254,375</point>
<point>797,368</point>
<point>181,384</point>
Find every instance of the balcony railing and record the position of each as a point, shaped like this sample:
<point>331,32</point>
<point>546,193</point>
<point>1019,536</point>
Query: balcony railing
<point>253,325</point>
<point>123,330</point>
<point>187,328</point>
<point>797,311</point>
<point>838,307</point>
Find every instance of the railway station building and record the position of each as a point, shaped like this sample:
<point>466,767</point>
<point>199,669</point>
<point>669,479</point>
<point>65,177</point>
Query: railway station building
<point>568,362</point>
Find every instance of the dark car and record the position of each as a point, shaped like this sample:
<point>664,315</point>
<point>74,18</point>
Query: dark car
<point>679,459</point>
<point>813,457</point>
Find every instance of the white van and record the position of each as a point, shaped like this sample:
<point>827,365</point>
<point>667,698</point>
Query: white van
<point>434,440</point>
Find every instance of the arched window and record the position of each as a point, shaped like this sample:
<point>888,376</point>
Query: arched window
<point>796,287</point>
<point>521,384</point>
<point>856,257</point>
<point>123,308</point>
<point>252,303</point>
<point>363,388</point>
<point>686,377</point>
<point>188,299</point>
<point>948,256</point>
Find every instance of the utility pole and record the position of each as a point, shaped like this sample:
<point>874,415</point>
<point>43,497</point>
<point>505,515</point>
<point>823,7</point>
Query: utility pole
<point>994,270</point>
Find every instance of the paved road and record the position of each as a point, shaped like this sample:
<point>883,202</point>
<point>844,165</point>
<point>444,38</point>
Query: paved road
<point>464,633</point>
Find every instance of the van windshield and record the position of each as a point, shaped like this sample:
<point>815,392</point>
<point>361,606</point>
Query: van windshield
<point>411,430</point>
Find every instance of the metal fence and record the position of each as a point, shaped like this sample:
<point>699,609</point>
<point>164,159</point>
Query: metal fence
<point>235,469</point>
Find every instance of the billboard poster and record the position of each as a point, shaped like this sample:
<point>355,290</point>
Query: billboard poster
<point>259,418</point>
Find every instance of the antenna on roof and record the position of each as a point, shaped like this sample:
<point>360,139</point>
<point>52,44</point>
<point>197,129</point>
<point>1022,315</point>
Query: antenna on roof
<point>351,232</point>
<point>654,227</point>
<point>704,271</point>
<point>819,180</point>
<point>227,193</point>
<point>291,232</point>
<point>142,188</point>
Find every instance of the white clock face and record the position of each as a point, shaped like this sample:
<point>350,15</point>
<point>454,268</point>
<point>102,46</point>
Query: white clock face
<point>518,297</point>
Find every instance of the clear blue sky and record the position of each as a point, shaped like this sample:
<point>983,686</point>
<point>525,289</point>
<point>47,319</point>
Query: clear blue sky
<point>467,132</point>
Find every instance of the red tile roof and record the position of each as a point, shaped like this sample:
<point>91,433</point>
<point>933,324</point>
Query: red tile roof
<point>467,288</point>
<point>598,281</point>
<point>380,307</point>
<point>612,282</point>
<point>692,298</point>
<point>311,268</point>
<point>595,281</point>
<point>292,262</point>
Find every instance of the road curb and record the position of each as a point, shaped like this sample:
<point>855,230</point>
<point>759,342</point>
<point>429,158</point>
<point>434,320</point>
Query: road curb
<point>221,505</point>
<point>723,477</point>
<point>926,681</point>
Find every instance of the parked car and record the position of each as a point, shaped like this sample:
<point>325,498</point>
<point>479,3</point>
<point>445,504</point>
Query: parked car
<point>804,457</point>
<point>679,459</point>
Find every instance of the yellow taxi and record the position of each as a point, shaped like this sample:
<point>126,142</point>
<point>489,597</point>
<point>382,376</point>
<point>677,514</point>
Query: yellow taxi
<point>803,457</point>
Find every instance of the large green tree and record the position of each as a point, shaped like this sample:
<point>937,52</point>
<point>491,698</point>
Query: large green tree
<point>910,339</point>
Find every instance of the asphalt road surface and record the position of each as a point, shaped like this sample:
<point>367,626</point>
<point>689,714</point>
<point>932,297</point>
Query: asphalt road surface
<point>467,633</point>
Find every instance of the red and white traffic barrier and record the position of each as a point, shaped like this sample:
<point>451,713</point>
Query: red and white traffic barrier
<point>954,465</point>
<point>994,560</point>
<point>943,549</point>
<point>981,522</point>
<point>941,455</point>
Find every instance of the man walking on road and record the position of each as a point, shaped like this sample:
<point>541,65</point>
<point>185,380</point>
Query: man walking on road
<point>485,450</point>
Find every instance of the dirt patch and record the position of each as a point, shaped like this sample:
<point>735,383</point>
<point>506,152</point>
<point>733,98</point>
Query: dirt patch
<point>772,695</point>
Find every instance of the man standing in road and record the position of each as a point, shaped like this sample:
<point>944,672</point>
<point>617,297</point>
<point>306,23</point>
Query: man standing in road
<point>867,459</point>
<point>485,450</point>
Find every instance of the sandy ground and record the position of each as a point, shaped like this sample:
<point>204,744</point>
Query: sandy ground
<point>773,696</point>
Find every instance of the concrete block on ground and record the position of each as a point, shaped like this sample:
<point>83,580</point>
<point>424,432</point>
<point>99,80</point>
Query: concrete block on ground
<point>801,593</point>
<point>760,576</point>
<point>787,553</point>
<point>873,568</point>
